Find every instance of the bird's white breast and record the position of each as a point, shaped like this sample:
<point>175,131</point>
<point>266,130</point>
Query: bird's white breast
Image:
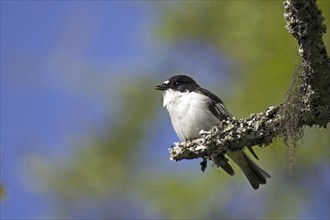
<point>189,113</point>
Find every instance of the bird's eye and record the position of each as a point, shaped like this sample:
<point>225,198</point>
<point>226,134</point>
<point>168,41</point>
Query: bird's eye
<point>177,83</point>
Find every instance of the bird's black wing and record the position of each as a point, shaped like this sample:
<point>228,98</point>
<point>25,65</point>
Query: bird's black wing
<point>218,108</point>
<point>216,105</point>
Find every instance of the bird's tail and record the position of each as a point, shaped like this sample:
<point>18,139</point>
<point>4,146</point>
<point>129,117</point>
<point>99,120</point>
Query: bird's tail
<point>252,171</point>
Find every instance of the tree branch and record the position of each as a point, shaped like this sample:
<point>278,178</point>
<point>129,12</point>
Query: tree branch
<point>307,100</point>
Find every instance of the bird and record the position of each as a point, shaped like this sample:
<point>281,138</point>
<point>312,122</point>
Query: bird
<point>192,108</point>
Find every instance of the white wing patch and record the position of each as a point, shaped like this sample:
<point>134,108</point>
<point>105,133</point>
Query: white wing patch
<point>222,112</point>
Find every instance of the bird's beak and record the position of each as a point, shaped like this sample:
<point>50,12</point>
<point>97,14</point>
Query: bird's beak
<point>162,87</point>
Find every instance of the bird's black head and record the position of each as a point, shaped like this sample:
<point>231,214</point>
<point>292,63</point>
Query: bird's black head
<point>180,83</point>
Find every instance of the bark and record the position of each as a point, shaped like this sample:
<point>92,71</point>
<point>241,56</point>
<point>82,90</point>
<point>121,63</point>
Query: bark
<point>307,101</point>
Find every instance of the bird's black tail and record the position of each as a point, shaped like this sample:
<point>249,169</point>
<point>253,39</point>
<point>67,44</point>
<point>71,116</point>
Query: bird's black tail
<point>252,171</point>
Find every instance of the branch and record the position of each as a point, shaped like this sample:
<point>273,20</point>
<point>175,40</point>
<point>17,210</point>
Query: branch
<point>305,23</point>
<point>307,100</point>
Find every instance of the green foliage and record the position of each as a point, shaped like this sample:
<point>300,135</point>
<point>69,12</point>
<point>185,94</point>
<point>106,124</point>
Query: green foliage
<point>2,191</point>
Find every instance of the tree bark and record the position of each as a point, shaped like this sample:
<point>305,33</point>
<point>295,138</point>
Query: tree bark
<point>307,101</point>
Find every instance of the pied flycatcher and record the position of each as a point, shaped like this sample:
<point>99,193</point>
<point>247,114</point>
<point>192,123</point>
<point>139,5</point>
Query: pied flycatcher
<point>192,109</point>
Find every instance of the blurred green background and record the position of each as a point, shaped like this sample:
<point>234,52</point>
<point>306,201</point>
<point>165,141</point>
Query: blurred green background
<point>84,134</point>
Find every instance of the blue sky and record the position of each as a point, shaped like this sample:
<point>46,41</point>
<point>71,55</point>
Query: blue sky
<point>41,103</point>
